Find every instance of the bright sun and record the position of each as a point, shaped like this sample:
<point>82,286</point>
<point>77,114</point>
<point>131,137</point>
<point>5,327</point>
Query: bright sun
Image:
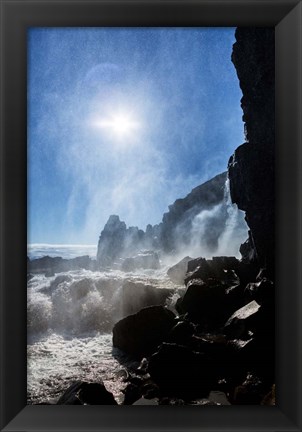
<point>120,125</point>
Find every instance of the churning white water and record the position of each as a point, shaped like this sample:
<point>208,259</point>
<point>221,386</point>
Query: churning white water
<point>70,319</point>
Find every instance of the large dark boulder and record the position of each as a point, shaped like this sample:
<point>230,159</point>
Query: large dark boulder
<point>182,372</point>
<point>87,393</point>
<point>140,334</point>
<point>222,268</point>
<point>208,304</point>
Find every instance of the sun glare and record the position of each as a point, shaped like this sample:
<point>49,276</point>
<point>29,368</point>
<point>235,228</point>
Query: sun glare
<point>120,125</point>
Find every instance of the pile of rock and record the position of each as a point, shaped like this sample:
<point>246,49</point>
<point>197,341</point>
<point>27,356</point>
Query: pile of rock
<point>222,339</point>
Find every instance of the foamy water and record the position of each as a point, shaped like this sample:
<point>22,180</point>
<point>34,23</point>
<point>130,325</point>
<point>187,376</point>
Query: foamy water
<point>70,321</point>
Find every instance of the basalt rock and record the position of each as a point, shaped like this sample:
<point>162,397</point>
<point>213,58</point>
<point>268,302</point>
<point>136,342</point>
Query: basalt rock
<point>262,291</point>
<point>52,265</point>
<point>243,320</point>
<point>204,303</point>
<point>222,269</point>
<point>210,303</point>
<point>140,334</point>
<point>251,168</point>
<point>87,393</point>
<point>181,372</point>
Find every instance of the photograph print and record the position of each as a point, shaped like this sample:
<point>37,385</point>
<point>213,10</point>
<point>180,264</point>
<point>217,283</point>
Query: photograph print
<point>150,252</point>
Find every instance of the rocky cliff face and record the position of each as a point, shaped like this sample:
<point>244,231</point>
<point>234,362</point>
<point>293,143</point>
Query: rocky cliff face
<point>179,222</point>
<point>193,224</point>
<point>251,167</point>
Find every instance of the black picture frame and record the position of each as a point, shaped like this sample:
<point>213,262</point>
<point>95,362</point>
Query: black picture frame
<point>16,17</point>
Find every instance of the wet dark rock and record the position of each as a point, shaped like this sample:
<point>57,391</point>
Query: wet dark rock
<point>251,168</point>
<point>263,291</point>
<point>182,333</point>
<point>140,334</point>
<point>263,274</point>
<point>248,251</point>
<point>255,356</point>
<point>221,268</point>
<point>144,260</point>
<point>178,272</point>
<point>87,393</point>
<point>52,265</point>
<point>247,272</point>
<point>150,390</point>
<point>204,303</point>
<point>243,320</point>
<point>181,372</point>
<point>250,392</point>
<point>132,393</point>
<point>136,295</point>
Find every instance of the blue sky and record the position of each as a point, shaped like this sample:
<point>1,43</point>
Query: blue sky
<point>124,121</point>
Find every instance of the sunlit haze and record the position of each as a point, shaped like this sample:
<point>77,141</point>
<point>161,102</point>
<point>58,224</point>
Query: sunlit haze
<point>124,121</point>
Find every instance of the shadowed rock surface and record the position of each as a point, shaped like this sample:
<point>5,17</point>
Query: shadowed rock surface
<point>251,168</point>
<point>141,333</point>
<point>87,393</point>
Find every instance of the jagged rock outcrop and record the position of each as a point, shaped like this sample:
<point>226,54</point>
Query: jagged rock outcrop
<point>179,227</point>
<point>116,240</point>
<point>193,223</point>
<point>251,168</point>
